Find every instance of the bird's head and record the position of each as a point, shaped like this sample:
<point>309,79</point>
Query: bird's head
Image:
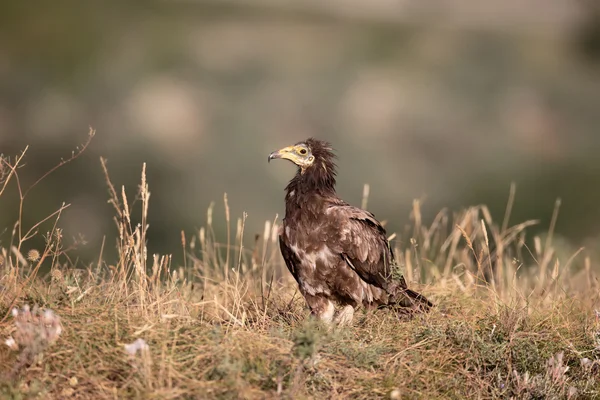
<point>316,166</point>
<point>307,154</point>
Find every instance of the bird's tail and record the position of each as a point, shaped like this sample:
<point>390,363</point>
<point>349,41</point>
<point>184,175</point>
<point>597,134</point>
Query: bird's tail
<point>410,300</point>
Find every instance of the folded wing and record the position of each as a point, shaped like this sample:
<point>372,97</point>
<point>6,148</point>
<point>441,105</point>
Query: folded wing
<point>362,241</point>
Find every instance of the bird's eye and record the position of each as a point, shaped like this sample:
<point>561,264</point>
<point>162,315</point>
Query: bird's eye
<point>302,151</point>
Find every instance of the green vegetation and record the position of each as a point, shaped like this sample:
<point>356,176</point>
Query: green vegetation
<point>229,323</point>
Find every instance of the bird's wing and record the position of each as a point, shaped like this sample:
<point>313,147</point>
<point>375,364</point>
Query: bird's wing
<point>361,241</point>
<point>290,258</point>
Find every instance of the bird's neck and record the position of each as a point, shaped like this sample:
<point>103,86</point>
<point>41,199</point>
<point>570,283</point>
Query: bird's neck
<point>307,190</point>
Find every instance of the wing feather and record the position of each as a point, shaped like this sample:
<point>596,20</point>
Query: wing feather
<point>362,242</point>
<point>290,258</point>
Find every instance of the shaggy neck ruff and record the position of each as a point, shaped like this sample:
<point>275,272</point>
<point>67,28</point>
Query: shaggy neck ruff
<point>316,181</point>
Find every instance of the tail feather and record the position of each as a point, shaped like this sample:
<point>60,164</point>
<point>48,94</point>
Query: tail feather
<point>418,299</point>
<point>409,299</point>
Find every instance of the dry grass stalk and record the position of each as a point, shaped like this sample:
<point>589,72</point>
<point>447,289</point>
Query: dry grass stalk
<point>139,328</point>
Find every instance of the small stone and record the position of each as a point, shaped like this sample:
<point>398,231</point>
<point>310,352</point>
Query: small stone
<point>133,348</point>
<point>586,362</point>
<point>10,342</point>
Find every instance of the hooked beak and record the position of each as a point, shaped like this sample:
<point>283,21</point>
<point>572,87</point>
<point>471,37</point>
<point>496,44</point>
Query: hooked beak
<point>286,153</point>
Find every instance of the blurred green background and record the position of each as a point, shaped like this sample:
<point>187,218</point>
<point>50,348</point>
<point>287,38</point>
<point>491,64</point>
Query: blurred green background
<point>448,102</point>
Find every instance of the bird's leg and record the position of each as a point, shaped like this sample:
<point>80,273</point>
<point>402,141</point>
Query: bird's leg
<point>321,308</point>
<point>345,316</point>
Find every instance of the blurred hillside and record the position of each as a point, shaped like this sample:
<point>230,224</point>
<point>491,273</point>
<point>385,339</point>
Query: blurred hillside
<point>448,102</point>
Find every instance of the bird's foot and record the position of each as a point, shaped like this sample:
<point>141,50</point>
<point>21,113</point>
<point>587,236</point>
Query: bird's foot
<point>345,316</point>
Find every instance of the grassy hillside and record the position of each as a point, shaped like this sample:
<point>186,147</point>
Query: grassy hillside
<point>230,323</point>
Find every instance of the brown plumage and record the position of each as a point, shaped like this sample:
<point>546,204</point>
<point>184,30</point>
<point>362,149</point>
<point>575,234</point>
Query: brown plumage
<point>336,252</point>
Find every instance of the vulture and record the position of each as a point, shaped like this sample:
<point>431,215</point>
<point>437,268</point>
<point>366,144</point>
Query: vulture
<point>337,253</point>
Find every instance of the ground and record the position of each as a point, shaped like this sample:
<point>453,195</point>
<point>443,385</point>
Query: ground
<point>231,324</point>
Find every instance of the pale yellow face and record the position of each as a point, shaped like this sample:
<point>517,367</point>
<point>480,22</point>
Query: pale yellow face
<point>299,154</point>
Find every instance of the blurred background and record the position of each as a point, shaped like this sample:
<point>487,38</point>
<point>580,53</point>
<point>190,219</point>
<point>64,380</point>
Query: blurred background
<point>444,101</point>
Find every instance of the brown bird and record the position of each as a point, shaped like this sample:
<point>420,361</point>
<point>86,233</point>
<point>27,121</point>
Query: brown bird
<point>336,252</point>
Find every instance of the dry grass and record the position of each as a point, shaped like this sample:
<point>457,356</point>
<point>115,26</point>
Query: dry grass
<point>230,324</point>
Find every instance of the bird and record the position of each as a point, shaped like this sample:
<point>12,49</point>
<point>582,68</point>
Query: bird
<point>337,253</point>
